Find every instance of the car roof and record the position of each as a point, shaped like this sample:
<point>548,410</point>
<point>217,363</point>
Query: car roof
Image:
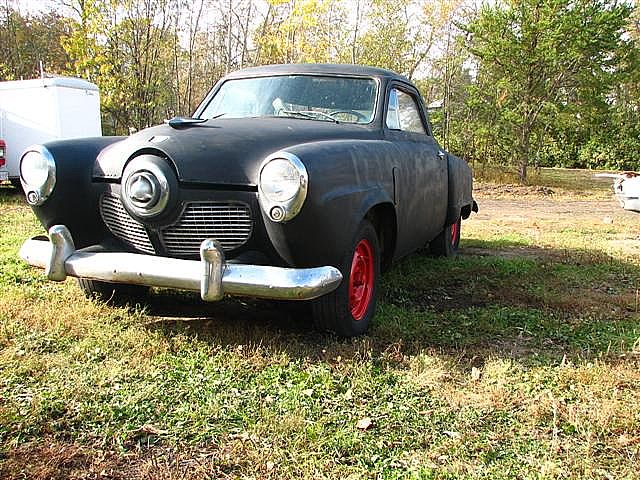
<point>317,69</point>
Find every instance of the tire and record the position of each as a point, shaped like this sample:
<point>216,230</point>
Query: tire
<point>348,310</point>
<point>16,184</point>
<point>112,293</point>
<point>446,244</point>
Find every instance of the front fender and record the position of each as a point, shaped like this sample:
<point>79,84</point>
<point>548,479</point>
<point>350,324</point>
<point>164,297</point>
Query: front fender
<point>74,199</point>
<point>345,183</point>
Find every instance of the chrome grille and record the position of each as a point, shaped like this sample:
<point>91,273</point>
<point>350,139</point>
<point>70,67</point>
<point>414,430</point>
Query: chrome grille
<point>228,223</point>
<point>122,225</point>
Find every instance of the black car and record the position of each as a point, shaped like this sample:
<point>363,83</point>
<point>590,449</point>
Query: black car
<point>298,182</point>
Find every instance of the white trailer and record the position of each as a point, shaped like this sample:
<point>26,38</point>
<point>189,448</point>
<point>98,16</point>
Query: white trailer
<point>45,109</point>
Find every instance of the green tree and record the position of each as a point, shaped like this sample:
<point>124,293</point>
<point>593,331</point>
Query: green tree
<point>28,40</point>
<point>399,35</point>
<point>301,31</point>
<point>127,49</point>
<point>539,58</point>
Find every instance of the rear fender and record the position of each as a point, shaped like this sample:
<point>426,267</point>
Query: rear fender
<point>460,199</point>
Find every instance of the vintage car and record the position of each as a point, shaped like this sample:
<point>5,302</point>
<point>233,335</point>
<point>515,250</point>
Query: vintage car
<point>289,182</point>
<point>626,188</point>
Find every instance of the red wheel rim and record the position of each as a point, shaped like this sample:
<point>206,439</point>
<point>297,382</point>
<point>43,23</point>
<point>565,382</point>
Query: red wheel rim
<point>361,279</point>
<point>455,234</point>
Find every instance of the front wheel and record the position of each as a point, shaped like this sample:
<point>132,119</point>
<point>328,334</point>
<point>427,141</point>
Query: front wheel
<point>446,244</point>
<point>112,293</point>
<point>348,310</point>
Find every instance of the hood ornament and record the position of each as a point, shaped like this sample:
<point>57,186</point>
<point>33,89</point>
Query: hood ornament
<point>142,187</point>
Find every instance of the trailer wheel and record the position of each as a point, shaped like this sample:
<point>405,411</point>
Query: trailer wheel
<point>16,183</point>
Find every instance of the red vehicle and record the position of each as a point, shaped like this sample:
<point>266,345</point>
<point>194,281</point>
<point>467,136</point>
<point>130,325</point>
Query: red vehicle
<point>4,173</point>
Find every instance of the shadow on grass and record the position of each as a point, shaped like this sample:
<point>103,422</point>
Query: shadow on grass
<point>495,298</point>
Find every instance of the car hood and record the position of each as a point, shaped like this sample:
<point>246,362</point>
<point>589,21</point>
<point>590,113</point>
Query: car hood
<point>222,151</point>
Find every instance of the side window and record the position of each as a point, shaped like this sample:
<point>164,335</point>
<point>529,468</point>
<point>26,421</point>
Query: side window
<point>393,121</point>
<point>403,113</point>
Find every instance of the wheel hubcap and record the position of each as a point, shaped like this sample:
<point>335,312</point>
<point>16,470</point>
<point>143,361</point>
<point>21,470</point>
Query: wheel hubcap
<point>361,279</point>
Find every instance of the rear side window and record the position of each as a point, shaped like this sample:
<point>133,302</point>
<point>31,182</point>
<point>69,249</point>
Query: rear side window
<point>403,113</point>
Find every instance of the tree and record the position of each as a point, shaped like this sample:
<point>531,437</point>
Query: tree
<point>28,40</point>
<point>126,48</point>
<point>395,39</point>
<point>538,57</point>
<point>301,31</point>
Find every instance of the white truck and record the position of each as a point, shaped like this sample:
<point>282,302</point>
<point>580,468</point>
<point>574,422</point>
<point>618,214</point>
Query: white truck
<point>41,110</point>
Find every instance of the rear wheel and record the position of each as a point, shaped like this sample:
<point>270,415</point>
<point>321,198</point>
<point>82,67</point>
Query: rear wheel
<point>114,293</point>
<point>446,244</point>
<point>348,310</point>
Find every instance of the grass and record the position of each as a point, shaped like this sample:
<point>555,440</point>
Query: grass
<point>518,359</point>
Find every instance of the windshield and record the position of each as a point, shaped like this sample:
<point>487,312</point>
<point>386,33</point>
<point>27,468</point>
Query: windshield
<point>331,99</point>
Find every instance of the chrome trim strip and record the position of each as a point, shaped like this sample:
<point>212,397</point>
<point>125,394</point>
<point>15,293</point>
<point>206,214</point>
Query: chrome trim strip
<point>212,277</point>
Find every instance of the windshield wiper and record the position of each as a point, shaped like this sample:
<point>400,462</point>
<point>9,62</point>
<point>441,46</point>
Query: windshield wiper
<point>294,112</point>
<point>312,114</point>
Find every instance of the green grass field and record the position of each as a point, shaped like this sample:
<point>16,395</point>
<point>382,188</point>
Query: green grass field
<point>517,359</point>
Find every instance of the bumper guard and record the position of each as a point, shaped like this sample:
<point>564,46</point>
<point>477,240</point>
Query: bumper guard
<point>212,276</point>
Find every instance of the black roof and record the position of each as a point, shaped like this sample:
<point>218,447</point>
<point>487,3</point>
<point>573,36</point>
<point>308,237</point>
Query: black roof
<point>317,68</point>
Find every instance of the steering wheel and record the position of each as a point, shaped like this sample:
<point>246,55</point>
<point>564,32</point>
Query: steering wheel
<point>355,113</point>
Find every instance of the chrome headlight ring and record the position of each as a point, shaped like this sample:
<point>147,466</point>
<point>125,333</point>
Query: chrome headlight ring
<point>37,174</point>
<point>282,201</point>
<point>145,187</point>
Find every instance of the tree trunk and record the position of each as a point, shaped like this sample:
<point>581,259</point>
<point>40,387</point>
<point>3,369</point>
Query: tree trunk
<point>525,149</point>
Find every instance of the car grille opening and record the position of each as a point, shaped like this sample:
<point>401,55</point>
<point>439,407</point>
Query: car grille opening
<point>123,226</point>
<point>230,223</point>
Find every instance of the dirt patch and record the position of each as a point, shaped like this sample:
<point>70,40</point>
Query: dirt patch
<point>538,217</point>
<point>576,187</point>
<point>564,212</point>
<point>56,460</point>
<point>509,190</point>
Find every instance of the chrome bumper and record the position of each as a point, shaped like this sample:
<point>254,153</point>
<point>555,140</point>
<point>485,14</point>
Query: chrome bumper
<point>212,276</point>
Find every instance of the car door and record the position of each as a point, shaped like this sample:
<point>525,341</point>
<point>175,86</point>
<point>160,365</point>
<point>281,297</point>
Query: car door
<point>420,169</point>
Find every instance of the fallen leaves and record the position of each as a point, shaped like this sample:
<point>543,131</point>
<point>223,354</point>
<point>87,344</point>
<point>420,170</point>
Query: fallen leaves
<point>364,424</point>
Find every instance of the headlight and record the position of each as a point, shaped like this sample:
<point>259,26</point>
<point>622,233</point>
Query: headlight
<point>280,180</point>
<point>38,174</point>
<point>282,186</point>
